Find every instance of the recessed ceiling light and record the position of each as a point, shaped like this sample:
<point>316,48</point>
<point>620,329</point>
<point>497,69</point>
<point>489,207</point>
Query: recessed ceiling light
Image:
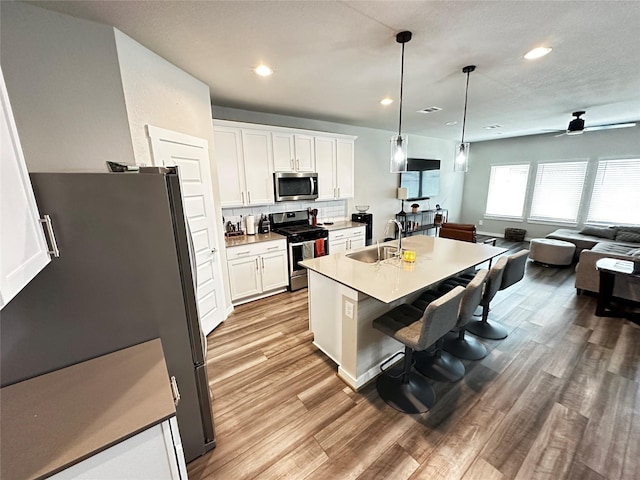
<point>537,53</point>
<point>263,70</point>
<point>386,101</point>
<point>451,123</point>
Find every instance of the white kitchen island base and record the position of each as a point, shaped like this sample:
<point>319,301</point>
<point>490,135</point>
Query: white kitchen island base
<point>340,319</point>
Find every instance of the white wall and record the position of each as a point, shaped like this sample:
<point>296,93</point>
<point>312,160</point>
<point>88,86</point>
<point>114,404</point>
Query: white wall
<point>592,146</point>
<point>64,84</point>
<point>374,185</point>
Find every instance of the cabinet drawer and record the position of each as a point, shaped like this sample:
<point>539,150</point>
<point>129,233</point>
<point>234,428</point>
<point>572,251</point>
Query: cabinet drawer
<point>255,249</point>
<point>346,233</point>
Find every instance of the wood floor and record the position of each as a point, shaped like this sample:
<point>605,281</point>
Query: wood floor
<point>558,398</point>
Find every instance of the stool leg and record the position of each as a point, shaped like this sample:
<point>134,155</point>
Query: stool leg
<point>467,348</point>
<point>439,366</point>
<point>408,392</point>
<point>484,329</point>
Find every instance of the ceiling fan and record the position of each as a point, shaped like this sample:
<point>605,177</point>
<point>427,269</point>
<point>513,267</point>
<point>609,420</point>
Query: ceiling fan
<point>576,125</point>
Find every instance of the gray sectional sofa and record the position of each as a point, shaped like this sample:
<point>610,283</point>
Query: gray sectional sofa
<point>594,243</point>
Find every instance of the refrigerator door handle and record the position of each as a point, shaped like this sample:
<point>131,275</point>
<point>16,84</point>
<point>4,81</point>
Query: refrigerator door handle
<point>174,389</point>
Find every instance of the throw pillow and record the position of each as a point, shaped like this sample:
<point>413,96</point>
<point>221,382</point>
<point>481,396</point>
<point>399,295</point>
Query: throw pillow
<point>632,229</point>
<point>602,232</point>
<point>628,237</point>
<point>634,253</point>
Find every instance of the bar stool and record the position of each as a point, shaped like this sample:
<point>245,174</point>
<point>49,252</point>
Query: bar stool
<point>513,271</point>
<point>456,342</point>
<point>434,362</point>
<point>408,391</point>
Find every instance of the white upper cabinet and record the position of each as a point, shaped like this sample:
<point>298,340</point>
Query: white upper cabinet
<point>335,164</point>
<point>244,158</point>
<point>23,247</point>
<point>293,152</point>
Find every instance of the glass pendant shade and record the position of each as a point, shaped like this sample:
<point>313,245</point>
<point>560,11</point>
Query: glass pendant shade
<point>461,161</point>
<point>398,154</point>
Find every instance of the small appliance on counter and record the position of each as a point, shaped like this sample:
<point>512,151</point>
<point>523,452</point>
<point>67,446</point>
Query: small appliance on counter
<point>367,219</point>
<point>263,224</point>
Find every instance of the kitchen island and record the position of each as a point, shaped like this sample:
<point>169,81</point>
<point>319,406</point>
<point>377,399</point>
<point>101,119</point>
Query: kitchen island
<point>346,295</point>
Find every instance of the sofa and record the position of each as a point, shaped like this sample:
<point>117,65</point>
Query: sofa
<point>594,243</point>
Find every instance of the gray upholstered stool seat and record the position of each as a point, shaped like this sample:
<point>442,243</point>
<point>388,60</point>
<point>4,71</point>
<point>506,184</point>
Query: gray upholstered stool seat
<point>552,252</point>
<point>404,389</point>
<point>458,343</point>
<point>506,272</point>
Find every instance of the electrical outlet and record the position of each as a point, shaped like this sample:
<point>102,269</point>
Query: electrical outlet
<point>479,222</point>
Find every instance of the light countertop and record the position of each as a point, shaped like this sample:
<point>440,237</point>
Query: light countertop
<point>55,420</point>
<point>342,225</point>
<point>248,239</point>
<point>436,258</point>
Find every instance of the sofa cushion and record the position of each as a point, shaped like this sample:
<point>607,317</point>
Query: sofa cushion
<point>634,253</point>
<point>629,228</point>
<point>630,237</point>
<point>602,232</point>
<point>613,248</point>
<point>581,241</point>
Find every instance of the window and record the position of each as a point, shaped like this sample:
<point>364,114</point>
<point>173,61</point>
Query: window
<point>616,192</point>
<point>507,190</point>
<point>557,191</point>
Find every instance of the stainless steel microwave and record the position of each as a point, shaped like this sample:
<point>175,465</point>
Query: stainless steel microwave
<point>295,186</point>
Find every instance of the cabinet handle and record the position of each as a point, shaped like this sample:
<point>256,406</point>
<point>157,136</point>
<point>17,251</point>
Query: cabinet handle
<point>298,164</point>
<point>257,266</point>
<point>273,248</point>
<point>338,192</point>
<point>242,198</point>
<point>293,167</point>
<point>46,221</point>
<point>243,253</point>
<point>262,259</point>
<point>249,197</point>
<point>174,389</point>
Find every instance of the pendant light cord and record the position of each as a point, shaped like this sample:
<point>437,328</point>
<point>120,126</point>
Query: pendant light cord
<point>401,84</point>
<point>464,115</point>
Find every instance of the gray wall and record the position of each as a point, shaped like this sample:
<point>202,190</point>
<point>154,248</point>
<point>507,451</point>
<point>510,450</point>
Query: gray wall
<point>592,146</point>
<point>374,185</point>
<point>64,85</point>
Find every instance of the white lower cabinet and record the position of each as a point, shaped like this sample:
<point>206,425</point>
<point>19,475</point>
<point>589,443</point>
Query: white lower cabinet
<point>346,239</point>
<point>153,453</point>
<point>257,270</point>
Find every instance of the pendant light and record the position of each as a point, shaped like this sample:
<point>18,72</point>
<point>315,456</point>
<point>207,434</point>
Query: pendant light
<point>399,142</point>
<point>461,161</point>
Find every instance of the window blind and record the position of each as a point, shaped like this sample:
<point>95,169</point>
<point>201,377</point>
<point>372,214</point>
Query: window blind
<point>507,190</point>
<point>616,192</point>
<point>557,191</point>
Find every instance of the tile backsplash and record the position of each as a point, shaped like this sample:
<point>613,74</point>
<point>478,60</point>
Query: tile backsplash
<point>332,210</point>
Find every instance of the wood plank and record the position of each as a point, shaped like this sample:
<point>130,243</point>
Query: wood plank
<point>480,469</point>
<point>395,463</point>
<point>552,451</point>
<point>303,461</point>
<point>625,360</point>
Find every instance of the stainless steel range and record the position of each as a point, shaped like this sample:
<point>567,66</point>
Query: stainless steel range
<point>304,241</point>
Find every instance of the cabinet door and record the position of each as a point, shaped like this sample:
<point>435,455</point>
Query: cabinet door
<point>344,168</point>
<point>325,152</point>
<point>24,251</point>
<point>305,158</point>
<point>274,270</point>
<point>283,153</point>
<point>357,242</point>
<point>244,277</point>
<point>228,152</point>
<point>258,166</point>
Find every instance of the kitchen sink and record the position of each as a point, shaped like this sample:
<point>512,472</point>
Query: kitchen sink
<point>370,255</point>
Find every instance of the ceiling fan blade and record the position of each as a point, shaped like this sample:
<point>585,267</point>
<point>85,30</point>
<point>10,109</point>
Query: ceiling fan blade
<point>609,127</point>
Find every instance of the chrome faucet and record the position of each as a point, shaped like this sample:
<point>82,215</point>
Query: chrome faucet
<point>400,230</point>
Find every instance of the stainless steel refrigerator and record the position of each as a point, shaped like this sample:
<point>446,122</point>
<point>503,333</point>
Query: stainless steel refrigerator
<point>124,276</point>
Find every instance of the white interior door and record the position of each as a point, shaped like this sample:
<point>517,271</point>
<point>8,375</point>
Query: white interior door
<point>191,156</point>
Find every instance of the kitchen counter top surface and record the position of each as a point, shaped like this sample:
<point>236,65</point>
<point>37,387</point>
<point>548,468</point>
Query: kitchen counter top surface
<point>248,239</point>
<point>436,259</point>
<point>55,420</point>
<point>342,225</point>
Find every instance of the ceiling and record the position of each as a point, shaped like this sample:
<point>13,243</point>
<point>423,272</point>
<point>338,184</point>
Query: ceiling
<point>335,60</point>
